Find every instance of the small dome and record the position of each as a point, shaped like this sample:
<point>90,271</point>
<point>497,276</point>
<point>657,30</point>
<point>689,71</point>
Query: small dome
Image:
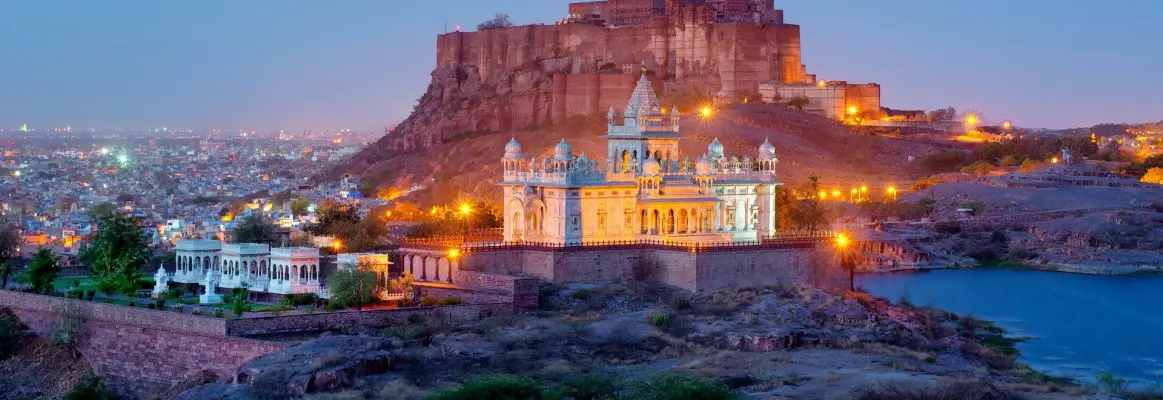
<point>766,150</point>
<point>703,166</point>
<point>674,112</point>
<point>612,113</point>
<point>715,149</point>
<point>651,167</point>
<point>513,149</point>
<point>562,151</point>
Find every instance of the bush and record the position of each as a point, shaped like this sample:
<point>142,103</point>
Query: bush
<point>429,301</point>
<point>295,300</point>
<point>151,306</point>
<point>950,227</point>
<point>12,332</point>
<point>1028,166</point>
<point>681,387</point>
<point>89,389</point>
<point>160,304</point>
<point>219,312</point>
<point>415,319</point>
<point>581,294</point>
<point>957,390</point>
<point>680,303</point>
<point>590,387</point>
<point>450,301</point>
<point>132,303</point>
<point>660,320</point>
<point>975,207</point>
<point>946,161</point>
<point>89,295</point>
<point>496,387</point>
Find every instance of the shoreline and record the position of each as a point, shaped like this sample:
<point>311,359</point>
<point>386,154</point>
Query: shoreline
<point>1059,268</point>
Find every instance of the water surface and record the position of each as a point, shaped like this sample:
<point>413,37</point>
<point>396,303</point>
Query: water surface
<point>1079,325</point>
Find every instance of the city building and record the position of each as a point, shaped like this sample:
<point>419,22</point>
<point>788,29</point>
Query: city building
<point>832,99</point>
<point>643,190</point>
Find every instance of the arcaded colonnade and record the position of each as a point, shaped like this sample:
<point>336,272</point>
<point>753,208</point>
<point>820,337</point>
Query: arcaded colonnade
<point>429,265</point>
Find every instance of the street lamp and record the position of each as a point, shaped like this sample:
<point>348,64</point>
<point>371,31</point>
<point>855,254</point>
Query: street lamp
<point>846,261</point>
<point>465,210</point>
<point>891,191</point>
<point>336,245</point>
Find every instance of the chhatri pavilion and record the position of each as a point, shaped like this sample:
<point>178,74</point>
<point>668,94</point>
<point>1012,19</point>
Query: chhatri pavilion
<point>642,191</point>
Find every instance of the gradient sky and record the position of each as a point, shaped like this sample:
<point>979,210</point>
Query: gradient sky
<point>360,64</point>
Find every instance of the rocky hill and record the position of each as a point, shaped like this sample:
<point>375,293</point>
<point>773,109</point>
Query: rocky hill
<point>775,343</point>
<point>806,145</point>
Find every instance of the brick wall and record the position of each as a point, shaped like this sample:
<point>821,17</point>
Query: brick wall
<point>139,351</point>
<point>373,318</point>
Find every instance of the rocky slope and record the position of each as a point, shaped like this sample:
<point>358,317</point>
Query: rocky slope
<point>784,342</point>
<point>806,145</point>
<point>38,369</point>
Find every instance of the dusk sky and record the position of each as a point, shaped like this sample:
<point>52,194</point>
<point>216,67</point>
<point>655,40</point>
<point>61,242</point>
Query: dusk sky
<point>361,64</point>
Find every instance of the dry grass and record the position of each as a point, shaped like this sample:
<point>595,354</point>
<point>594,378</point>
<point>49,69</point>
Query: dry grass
<point>950,390</point>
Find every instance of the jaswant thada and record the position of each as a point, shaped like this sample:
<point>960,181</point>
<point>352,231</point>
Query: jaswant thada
<point>642,191</point>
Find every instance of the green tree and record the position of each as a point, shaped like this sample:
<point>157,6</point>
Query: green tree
<point>300,206</point>
<point>116,254</point>
<point>9,245</point>
<point>810,214</point>
<point>354,287</point>
<point>501,20</point>
<point>330,215</point>
<point>42,270</point>
<point>100,210</point>
<point>254,229</point>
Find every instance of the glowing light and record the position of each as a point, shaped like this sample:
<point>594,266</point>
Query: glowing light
<point>823,194</point>
<point>1054,160</point>
<point>465,209</point>
<point>971,120</point>
<point>104,150</point>
<point>841,240</point>
<point>123,159</point>
<point>1006,125</point>
<point>453,253</point>
<point>891,189</point>
<point>228,218</point>
<point>706,112</point>
<point>852,110</point>
<point>836,193</point>
<point>864,188</point>
<point>821,83</point>
<point>336,244</point>
<point>16,173</point>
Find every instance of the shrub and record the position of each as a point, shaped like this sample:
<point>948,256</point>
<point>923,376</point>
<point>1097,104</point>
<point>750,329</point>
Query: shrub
<point>450,301</point>
<point>415,319</point>
<point>946,161</point>
<point>496,387</point>
<point>957,390</point>
<point>160,304</point>
<point>219,312</point>
<point>590,387</point>
<point>429,301</point>
<point>581,294</point>
<point>660,320</point>
<point>680,303</point>
<point>132,303</point>
<point>681,387</point>
<point>89,389</point>
<point>1109,383</point>
<point>950,227</point>
<point>151,306</point>
<point>295,300</point>
<point>1028,166</point>
<point>89,294</point>
<point>12,332</point>
<point>975,207</point>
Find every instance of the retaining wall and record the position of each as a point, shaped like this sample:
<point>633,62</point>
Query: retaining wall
<point>139,351</point>
<point>256,326</point>
<point>695,271</point>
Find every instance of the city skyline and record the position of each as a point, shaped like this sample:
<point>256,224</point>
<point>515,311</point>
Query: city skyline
<point>361,64</point>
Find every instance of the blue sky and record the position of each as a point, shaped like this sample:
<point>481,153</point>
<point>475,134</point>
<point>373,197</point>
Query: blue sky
<point>360,64</point>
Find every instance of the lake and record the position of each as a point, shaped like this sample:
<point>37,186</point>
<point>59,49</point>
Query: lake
<point>1078,325</point>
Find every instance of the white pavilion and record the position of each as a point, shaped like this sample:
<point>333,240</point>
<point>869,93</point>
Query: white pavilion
<point>641,191</point>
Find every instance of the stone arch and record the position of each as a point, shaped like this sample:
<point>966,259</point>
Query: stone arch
<point>314,273</point>
<point>683,221</point>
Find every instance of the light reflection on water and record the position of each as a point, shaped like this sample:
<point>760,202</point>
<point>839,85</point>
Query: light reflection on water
<point>1078,325</point>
